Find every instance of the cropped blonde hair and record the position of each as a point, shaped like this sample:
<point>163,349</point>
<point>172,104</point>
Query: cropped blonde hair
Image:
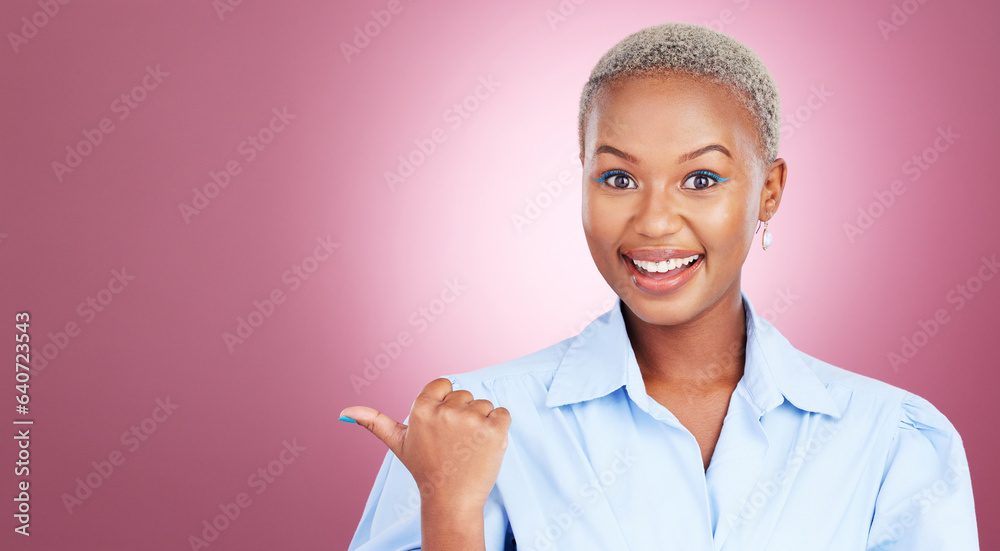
<point>700,52</point>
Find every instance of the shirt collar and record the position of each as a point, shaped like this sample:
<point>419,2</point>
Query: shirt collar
<point>597,363</point>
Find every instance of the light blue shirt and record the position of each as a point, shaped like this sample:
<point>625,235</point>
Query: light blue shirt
<point>810,457</point>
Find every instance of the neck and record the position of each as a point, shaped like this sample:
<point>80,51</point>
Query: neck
<point>708,350</point>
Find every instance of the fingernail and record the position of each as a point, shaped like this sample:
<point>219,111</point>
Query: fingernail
<point>346,418</point>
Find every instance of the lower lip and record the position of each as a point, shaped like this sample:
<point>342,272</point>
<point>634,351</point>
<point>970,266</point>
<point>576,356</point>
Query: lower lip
<point>665,284</point>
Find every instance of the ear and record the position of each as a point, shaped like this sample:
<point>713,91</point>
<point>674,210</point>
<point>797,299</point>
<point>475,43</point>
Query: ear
<point>770,192</point>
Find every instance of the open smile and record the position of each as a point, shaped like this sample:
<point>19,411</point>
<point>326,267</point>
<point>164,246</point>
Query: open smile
<point>663,270</point>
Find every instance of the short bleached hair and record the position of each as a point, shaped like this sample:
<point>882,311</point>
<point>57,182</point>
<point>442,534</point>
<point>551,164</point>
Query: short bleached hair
<point>701,52</point>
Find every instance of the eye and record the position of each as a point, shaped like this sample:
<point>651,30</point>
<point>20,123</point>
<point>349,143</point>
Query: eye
<point>702,179</point>
<point>618,179</point>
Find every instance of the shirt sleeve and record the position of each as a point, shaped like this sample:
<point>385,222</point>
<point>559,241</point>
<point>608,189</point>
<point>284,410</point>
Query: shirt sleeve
<point>391,519</point>
<point>925,500</point>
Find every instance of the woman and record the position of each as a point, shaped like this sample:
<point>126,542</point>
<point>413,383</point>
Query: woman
<point>679,419</point>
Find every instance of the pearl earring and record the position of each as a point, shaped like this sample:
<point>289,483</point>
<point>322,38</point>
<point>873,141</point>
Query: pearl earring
<point>766,239</point>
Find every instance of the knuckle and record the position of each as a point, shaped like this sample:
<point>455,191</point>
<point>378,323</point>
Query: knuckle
<point>420,411</point>
<point>462,394</point>
<point>451,414</point>
<point>440,381</point>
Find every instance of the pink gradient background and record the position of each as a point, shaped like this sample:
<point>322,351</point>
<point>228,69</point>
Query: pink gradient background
<point>324,176</point>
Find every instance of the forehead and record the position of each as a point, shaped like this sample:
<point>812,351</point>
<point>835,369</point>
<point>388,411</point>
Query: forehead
<point>671,113</point>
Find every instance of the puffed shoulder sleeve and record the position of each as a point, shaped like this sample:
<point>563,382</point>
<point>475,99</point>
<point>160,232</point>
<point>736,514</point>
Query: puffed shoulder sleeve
<point>925,499</point>
<point>391,519</point>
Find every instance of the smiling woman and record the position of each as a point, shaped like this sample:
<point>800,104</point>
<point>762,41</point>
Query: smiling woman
<point>680,419</point>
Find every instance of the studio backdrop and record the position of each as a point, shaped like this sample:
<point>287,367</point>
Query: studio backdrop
<point>222,222</point>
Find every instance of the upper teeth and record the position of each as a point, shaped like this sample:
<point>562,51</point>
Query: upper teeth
<point>664,265</point>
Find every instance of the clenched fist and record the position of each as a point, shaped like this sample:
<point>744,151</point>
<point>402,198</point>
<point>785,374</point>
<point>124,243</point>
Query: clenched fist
<point>453,446</point>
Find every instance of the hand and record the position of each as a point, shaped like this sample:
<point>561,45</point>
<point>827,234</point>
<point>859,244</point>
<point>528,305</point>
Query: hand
<point>453,446</point>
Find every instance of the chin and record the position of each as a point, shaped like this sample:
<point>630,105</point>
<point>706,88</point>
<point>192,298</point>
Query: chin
<point>674,309</point>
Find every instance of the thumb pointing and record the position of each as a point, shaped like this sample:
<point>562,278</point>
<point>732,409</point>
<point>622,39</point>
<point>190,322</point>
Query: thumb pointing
<point>389,431</point>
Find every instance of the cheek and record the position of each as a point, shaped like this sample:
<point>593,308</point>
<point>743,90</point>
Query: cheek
<point>599,218</point>
<point>723,225</point>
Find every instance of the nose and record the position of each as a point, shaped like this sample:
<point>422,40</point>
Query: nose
<point>658,213</point>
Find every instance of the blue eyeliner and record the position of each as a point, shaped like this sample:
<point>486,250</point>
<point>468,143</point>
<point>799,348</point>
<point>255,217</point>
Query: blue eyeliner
<point>711,174</point>
<point>604,176</point>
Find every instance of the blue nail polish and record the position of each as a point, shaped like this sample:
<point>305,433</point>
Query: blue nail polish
<point>346,418</point>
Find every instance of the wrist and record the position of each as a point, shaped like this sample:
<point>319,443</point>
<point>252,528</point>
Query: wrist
<point>447,526</point>
<point>453,507</point>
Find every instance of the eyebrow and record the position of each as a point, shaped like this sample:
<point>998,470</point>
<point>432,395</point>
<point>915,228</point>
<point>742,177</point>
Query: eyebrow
<point>616,152</point>
<point>683,158</point>
<point>698,152</point>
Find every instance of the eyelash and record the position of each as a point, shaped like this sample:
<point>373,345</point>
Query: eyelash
<point>602,179</point>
